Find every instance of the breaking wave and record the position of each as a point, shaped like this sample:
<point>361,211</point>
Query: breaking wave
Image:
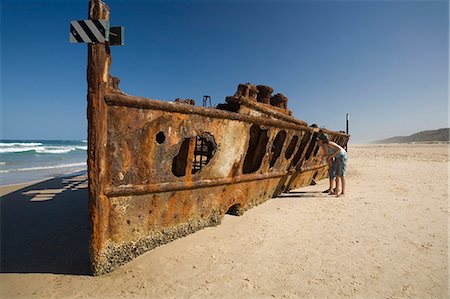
<point>39,148</point>
<point>8,144</point>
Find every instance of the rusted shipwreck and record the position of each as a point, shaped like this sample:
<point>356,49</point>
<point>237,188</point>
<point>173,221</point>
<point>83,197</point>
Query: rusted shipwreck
<point>160,170</point>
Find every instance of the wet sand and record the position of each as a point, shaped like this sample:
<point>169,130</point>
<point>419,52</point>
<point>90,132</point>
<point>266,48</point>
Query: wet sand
<point>387,238</point>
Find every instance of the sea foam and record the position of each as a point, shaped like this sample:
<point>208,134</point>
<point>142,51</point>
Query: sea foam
<point>9,144</point>
<point>38,148</point>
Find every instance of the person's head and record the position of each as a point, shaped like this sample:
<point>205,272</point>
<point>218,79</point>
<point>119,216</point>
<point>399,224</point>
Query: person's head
<point>322,138</point>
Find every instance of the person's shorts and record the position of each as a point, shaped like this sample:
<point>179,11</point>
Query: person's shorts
<point>332,170</point>
<point>341,164</point>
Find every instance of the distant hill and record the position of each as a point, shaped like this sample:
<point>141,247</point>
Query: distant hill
<point>424,136</point>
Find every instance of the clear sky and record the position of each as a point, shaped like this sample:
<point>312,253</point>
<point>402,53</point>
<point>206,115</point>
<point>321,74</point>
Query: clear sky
<point>383,62</point>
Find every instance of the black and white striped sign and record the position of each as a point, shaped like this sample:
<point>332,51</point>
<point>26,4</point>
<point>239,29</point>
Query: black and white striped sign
<point>89,31</point>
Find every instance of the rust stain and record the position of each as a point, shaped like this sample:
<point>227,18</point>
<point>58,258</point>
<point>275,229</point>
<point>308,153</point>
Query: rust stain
<point>160,170</point>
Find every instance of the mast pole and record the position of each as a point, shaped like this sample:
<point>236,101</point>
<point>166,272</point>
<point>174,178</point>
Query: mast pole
<point>99,61</point>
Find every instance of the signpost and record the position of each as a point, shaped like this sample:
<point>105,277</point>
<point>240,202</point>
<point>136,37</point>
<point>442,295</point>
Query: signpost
<point>96,32</point>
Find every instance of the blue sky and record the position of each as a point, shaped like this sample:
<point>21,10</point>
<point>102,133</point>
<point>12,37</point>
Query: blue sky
<point>383,62</point>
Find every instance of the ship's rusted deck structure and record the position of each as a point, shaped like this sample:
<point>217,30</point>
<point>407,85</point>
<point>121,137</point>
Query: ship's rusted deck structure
<point>160,170</point>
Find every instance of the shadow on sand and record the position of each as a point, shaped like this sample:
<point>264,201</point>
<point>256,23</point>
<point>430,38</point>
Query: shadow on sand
<point>45,228</point>
<point>302,194</point>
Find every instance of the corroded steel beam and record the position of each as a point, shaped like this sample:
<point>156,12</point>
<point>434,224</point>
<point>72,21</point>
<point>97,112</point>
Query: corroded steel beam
<point>117,99</point>
<point>159,170</point>
<point>99,61</point>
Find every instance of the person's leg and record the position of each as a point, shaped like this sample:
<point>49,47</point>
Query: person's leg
<point>331,177</point>
<point>337,167</point>
<point>342,167</point>
<point>331,186</point>
<point>337,190</point>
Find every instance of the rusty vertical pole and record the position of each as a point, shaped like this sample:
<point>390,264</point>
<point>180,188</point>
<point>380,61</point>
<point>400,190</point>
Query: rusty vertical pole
<point>190,159</point>
<point>99,61</point>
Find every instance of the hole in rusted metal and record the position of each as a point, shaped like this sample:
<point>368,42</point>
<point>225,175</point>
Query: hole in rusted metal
<point>311,147</point>
<point>291,147</point>
<point>203,150</point>
<point>180,161</point>
<point>205,147</point>
<point>277,146</point>
<point>235,210</point>
<point>301,148</point>
<point>160,137</point>
<point>316,150</point>
<point>256,149</point>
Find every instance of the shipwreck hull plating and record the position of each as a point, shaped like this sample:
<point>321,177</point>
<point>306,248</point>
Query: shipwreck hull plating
<point>161,170</point>
<point>150,203</point>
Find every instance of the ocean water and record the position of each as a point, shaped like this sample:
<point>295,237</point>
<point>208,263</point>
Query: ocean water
<point>29,160</point>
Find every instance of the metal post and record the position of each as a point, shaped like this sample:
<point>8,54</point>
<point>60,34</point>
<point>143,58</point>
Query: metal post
<point>346,128</point>
<point>205,101</point>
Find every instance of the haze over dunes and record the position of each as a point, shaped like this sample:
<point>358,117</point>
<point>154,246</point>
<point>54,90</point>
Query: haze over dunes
<point>423,136</point>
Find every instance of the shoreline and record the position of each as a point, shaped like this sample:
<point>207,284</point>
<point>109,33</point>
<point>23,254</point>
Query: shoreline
<point>13,186</point>
<point>7,189</point>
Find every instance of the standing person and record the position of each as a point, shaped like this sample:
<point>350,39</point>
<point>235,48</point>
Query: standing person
<point>340,157</point>
<point>326,152</point>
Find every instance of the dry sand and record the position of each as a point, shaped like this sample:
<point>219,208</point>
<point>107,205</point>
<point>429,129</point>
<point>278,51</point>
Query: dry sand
<point>387,238</point>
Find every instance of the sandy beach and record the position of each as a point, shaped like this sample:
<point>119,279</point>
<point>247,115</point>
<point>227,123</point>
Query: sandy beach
<point>387,238</point>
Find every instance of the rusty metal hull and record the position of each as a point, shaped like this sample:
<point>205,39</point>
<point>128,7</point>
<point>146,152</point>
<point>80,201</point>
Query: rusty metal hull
<point>148,204</point>
<point>160,170</point>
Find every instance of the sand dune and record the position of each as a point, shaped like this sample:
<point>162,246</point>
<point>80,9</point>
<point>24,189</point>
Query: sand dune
<point>387,238</point>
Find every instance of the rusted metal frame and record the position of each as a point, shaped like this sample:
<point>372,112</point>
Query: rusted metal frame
<point>336,133</point>
<point>302,157</point>
<point>298,167</point>
<point>288,140</point>
<point>305,169</point>
<point>143,103</point>
<point>175,186</point>
<point>189,161</point>
<point>99,61</point>
<point>114,99</point>
<point>260,107</point>
<point>118,99</point>
<point>301,135</point>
